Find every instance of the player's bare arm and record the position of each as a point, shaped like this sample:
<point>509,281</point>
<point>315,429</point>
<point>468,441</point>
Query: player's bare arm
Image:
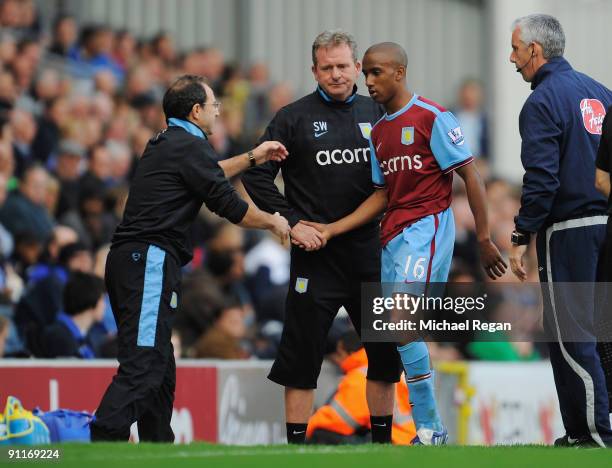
<point>372,207</point>
<point>602,182</point>
<point>491,258</point>
<point>258,219</point>
<point>267,151</point>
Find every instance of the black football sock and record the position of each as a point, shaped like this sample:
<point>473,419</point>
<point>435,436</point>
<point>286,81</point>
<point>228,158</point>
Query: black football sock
<point>381,429</point>
<point>296,433</point>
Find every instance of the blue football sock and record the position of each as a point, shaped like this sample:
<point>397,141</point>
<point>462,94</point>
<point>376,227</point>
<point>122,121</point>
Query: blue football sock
<point>415,358</point>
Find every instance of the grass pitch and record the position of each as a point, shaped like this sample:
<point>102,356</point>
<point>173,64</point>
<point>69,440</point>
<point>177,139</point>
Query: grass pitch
<point>118,455</point>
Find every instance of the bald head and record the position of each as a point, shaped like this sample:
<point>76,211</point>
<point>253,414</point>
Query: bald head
<point>393,52</point>
<point>384,68</point>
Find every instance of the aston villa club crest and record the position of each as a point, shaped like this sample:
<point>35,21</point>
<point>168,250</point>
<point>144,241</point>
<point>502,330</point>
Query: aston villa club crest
<point>174,300</point>
<point>366,130</point>
<point>407,135</point>
<point>301,285</point>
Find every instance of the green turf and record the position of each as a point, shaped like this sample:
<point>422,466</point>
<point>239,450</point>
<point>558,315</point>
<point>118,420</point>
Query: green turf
<point>365,456</point>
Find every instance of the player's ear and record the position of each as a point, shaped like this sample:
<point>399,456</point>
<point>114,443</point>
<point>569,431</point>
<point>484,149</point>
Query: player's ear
<point>400,73</point>
<point>358,66</point>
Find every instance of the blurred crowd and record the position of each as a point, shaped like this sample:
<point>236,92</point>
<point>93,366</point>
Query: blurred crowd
<point>78,103</point>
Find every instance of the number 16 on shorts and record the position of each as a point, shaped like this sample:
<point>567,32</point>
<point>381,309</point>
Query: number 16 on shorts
<point>415,271</point>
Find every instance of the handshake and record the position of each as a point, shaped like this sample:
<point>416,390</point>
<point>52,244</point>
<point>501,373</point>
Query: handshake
<point>310,235</point>
<point>306,234</point>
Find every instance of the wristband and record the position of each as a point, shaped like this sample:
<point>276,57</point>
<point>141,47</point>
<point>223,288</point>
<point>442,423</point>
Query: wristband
<point>520,238</point>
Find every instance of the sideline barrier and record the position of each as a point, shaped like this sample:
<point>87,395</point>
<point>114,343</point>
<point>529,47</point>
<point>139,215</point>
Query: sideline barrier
<point>232,402</point>
<point>493,403</point>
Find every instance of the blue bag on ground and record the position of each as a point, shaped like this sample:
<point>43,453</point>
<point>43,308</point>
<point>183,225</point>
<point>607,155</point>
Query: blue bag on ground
<point>20,426</point>
<point>66,425</point>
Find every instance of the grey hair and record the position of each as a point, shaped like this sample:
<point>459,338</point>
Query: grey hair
<point>331,38</point>
<point>543,29</point>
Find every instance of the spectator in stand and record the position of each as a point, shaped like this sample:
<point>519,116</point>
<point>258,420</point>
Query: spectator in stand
<point>121,162</point>
<point>55,118</point>
<point>28,251</point>
<point>23,69</point>
<point>94,49</point>
<point>93,224</point>
<point>225,260</point>
<point>42,301</point>
<point>24,209</point>
<point>8,89</point>
<point>281,95</point>
<point>68,171</point>
<point>223,339</point>
<point>140,138</point>
<point>162,46</point>
<point>62,236</point>
<point>138,82</point>
<point>257,109</point>
<point>212,65</point>
<point>228,139</point>
<point>149,110</point>
<point>102,110</point>
<point>31,49</point>
<point>46,86</point>
<point>105,82</point>
<point>196,312</point>
<point>124,49</point>
<point>267,269</point>
<point>99,167</point>
<point>20,18</point>
<point>24,131</point>
<point>83,308</point>
<point>470,114</point>
<point>65,34</point>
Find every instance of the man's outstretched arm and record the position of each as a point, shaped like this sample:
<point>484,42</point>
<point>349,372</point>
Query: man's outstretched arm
<point>491,258</point>
<point>267,151</point>
<point>371,207</point>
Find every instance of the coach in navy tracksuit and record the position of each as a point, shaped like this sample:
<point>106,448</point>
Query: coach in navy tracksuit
<point>560,127</point>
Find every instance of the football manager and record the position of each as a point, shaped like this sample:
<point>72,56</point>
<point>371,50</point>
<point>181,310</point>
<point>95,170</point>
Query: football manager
<point>560,127</point>
<point>176,174</point>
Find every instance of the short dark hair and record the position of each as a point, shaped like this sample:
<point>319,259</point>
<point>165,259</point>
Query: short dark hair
<point>69,251</point>
<point>82,292</point>
<point>182,95</point>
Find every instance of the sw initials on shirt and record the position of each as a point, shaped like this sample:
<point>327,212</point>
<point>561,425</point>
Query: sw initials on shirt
<point>320,126</point>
